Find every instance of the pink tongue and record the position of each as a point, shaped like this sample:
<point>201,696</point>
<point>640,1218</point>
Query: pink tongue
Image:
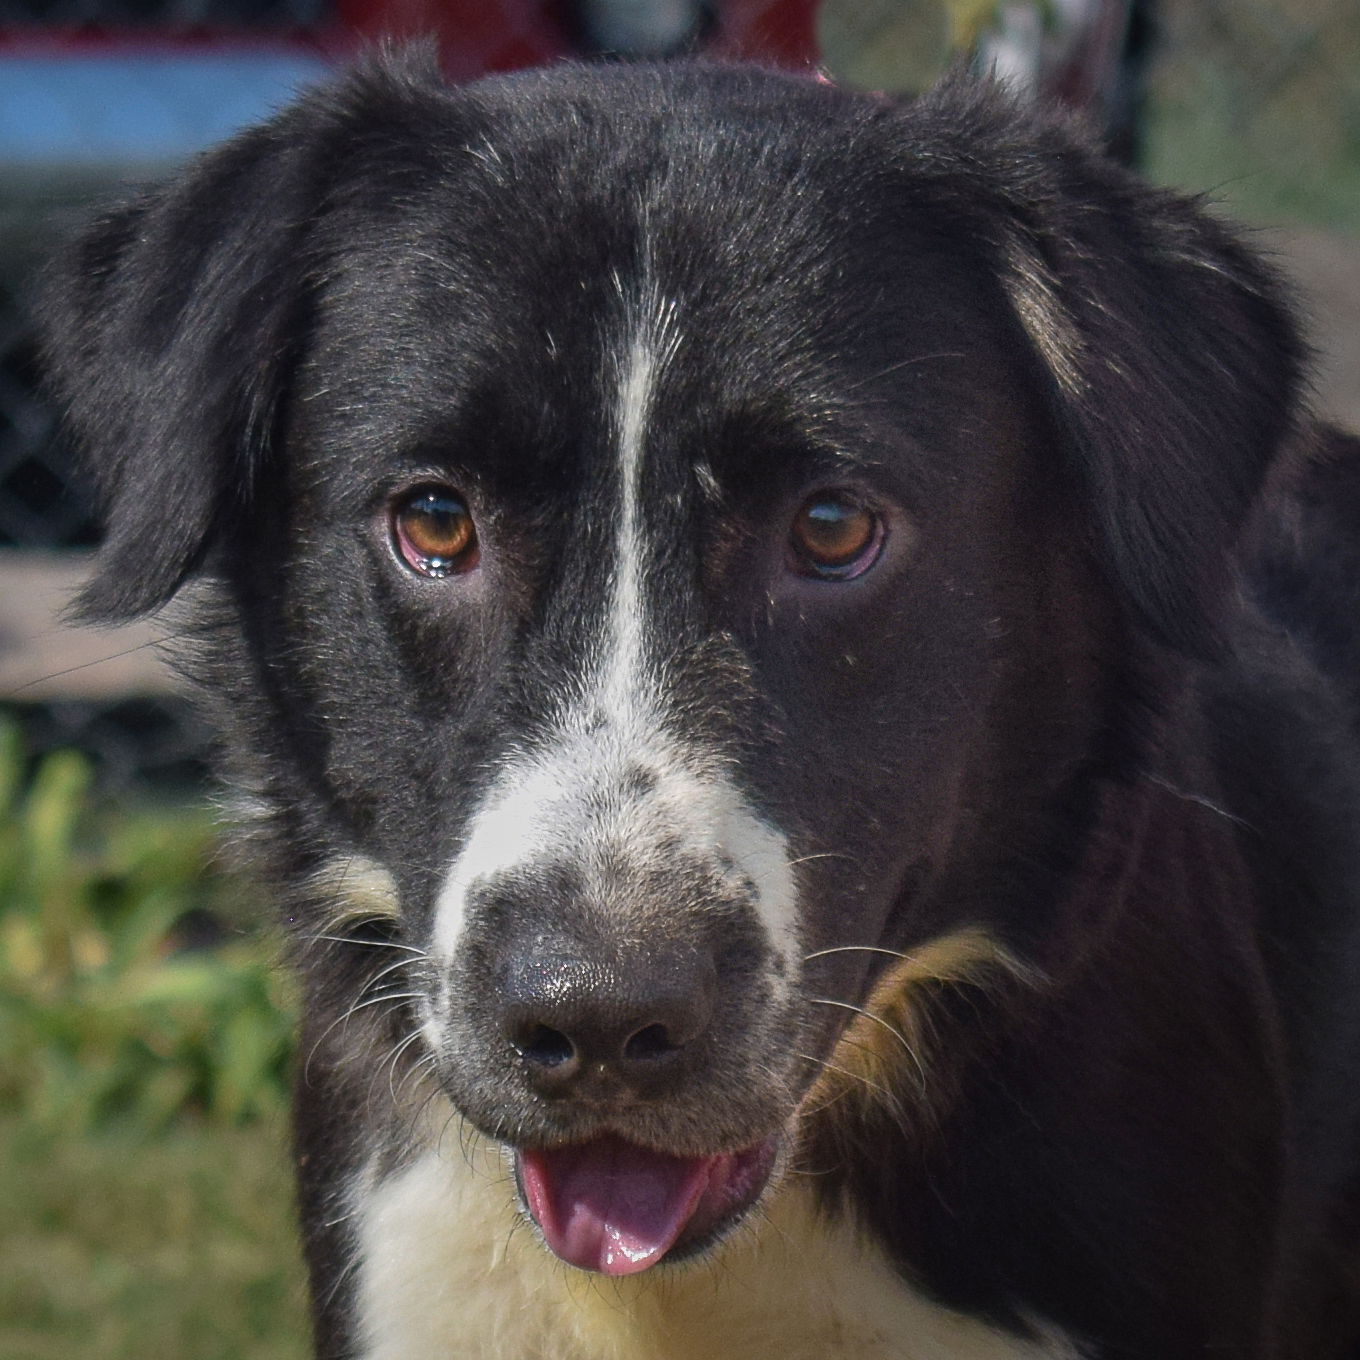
<point>611,1206</point>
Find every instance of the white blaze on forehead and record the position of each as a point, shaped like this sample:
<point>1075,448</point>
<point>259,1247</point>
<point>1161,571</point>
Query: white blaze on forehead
<point>571,805</point>
<point>573,797</point>
<point>622,684</point>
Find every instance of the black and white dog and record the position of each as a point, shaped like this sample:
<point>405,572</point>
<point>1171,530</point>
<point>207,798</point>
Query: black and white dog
<point>792,666</point>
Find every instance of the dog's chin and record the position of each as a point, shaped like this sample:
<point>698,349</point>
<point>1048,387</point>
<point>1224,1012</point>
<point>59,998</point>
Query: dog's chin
<point>615,1207</point>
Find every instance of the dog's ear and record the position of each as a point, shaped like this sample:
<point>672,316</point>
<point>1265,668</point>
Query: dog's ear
<point>172,324</point>
<point>1172,363</point>
<point>163,327</point>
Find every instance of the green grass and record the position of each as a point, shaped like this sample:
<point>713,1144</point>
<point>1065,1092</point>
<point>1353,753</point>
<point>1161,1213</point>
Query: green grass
<point>145,1195</point>
<point>109,1012</point>
<point>119,1247</point>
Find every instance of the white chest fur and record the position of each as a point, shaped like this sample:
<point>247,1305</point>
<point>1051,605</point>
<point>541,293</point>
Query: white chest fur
<point>449,1271</point>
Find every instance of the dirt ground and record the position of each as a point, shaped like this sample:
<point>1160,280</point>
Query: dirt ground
<point>1327,269</point>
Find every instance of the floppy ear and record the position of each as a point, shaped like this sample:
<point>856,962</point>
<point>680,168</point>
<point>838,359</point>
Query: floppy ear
<point>173,324</point>
<point>1171,360</point>
<point>165,324</point>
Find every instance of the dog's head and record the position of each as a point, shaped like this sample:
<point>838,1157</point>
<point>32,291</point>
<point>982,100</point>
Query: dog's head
<point>673,529</point>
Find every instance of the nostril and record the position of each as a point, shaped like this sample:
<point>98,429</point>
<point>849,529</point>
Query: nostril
<point>649,1044</point>
<point>545,1047</point>
<point>581,1023</point>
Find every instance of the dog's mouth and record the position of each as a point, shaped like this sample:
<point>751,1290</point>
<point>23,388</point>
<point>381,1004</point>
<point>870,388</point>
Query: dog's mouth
<point>617,1208</point>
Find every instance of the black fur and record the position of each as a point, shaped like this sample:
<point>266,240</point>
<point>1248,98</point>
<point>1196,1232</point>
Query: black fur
<point>1099,698</point>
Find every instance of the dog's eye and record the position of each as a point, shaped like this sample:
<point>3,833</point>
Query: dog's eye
<point>834,537</point>
<point>433,531</point>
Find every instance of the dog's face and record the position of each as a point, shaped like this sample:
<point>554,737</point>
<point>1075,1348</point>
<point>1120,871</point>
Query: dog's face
<point>683,633</point>
<point>670,530</point>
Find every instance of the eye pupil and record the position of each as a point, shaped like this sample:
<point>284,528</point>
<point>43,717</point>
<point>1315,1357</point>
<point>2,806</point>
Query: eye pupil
<point>834,537</point>
<point>434,532</point>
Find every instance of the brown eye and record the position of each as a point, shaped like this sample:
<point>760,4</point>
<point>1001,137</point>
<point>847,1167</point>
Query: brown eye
<point>834,538</point>
<point>433,531</point>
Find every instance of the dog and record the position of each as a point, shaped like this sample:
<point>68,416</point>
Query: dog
<point>789,659</point>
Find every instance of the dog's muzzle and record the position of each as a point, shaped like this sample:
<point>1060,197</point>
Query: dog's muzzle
<point>619,959</point>
<point>610,1031</point>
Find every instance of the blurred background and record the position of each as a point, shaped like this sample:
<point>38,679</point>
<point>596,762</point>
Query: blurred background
<point>144,1023</point>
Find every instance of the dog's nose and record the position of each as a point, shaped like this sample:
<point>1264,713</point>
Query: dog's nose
<point>575,1018</point>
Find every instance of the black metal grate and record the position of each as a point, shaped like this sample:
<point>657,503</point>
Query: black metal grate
<point>42,501</point>
<point>151,743</point>
<point>42,504</point>
<point>141,745</point>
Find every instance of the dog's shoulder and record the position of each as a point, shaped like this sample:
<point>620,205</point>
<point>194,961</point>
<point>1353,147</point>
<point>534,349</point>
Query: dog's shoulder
<point>1283,712</point>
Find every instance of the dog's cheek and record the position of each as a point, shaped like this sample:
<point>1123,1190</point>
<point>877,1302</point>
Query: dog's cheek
<point>886,701</point>
<point>401,691</point>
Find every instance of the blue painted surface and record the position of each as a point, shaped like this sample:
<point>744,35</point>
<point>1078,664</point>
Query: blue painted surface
<point>84,112</point>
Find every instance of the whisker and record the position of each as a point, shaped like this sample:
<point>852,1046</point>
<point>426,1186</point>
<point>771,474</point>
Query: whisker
<point>891,1102</point>
<point>386,972</point>
<point>371,944</point>
<point>880,1021</point>
<point>419,1068</point>
<point>391,1062</point>
<point>822,854</point>
<point>858,949</point>
<point>377,1000</point>
<point>353,1010</point>
<point>852,1076</point>
<point>455,1113</point>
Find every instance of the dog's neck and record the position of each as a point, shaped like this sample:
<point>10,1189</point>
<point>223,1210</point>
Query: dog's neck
<point>1176,1081</point>
<point>446,1265</point>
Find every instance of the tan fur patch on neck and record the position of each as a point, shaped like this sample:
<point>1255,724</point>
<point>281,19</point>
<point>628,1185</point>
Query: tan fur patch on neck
<point>884,1052</point>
